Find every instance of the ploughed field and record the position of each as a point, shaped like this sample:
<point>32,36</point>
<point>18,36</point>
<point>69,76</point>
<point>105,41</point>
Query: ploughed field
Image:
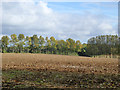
<point>60,63</point>
<point>58,71</point>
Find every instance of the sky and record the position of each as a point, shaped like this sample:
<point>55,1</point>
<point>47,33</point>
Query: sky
<point>63,20</point>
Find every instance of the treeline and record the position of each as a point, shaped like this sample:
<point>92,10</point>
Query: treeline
<point>35,44</point>
<point>99,45</point>
<point>103,45</point>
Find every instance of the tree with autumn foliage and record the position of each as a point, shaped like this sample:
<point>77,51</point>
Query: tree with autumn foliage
<point>41,42</point>
<point>99,45</point>
<point>47,45</point>
<point>53,45</point>
<point>28,44</point>
<point>21,42</point>
<point>13,44</point>
<point>5,42</point>
<point>35,44</point>
<point>72,45</point>
<point>78,46</point>
<point>61,46</point>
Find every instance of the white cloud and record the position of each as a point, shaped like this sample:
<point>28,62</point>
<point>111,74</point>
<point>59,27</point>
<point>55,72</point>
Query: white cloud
<point>30,18</point>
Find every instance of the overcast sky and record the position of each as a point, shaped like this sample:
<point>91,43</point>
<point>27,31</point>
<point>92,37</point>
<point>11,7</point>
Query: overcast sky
<point>63,20</point>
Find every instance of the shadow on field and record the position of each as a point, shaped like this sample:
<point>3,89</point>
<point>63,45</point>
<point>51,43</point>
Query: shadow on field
<point>83,54</point>
<point>14,79</point>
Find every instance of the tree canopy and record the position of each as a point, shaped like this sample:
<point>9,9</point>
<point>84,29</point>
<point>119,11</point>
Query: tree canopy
<point>99,45</point>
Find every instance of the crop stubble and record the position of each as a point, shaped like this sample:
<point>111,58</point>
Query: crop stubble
<point>62,63</point>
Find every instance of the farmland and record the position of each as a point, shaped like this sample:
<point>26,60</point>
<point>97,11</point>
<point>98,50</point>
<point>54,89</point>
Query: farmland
<point>58,71</point>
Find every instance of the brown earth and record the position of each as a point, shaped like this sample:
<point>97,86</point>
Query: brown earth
<point>60,63</point>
